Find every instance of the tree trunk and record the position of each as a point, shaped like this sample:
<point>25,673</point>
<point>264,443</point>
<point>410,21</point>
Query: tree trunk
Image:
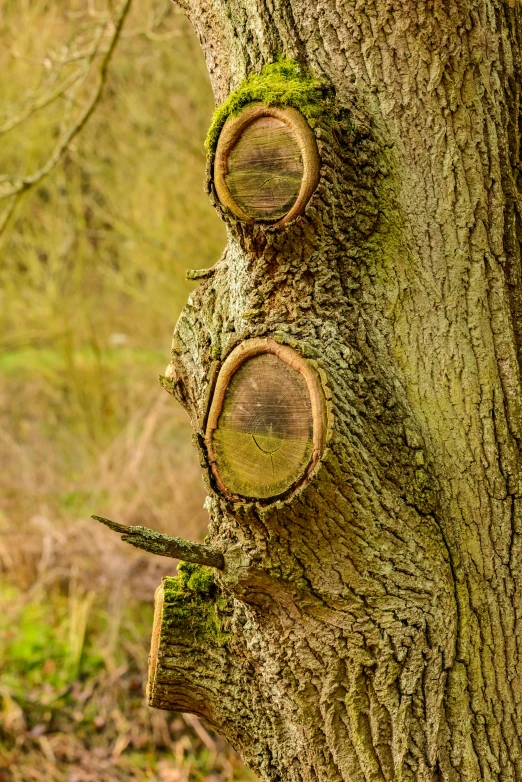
<point>367,623</point>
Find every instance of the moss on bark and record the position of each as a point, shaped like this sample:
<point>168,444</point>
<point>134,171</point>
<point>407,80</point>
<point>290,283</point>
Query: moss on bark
<point>281,83</point>
<point>192,605</point>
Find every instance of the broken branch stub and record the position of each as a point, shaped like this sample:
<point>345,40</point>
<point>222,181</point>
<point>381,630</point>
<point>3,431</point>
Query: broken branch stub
<point>186,614</point>
<point>266,425</point>
<point>165,545</point>
<point>267,164</point>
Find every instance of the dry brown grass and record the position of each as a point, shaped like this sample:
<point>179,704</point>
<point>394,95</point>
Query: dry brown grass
<point>91,283</point>
<point>77,606</point>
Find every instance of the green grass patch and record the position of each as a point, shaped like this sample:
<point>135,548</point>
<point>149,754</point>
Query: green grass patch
<point>27,359</point>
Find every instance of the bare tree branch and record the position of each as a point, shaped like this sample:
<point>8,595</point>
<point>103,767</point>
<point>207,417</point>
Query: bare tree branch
<point>20,185</point>
<point>166,546</point>
<point>41,103</point>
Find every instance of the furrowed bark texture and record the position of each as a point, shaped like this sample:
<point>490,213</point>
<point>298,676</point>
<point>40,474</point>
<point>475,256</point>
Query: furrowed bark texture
<point>373,629</point>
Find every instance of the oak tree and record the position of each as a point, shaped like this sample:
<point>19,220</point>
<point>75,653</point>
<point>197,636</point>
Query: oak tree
<point>351,367</point>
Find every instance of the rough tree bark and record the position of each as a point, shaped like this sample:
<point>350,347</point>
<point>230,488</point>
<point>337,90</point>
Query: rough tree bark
<point>367,624</point>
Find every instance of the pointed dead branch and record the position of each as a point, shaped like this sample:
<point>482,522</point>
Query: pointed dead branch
<point>165,545</point>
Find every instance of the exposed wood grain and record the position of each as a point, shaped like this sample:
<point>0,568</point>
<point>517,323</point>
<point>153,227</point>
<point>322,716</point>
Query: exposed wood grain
<point>267,164</point>
<point>263,442</point>
<point>265,169</point>
<point>155,639</point>
<point>265,427</point>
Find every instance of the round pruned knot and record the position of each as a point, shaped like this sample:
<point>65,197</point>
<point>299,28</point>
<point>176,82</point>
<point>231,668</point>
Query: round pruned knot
<point>267,164</point>
<point>266,425</point>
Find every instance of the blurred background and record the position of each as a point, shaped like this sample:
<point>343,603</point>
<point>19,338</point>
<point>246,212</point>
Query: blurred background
<point>101,213</point>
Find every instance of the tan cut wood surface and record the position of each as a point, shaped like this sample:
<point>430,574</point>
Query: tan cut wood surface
<point>267,164</point>
<point>265,169</point>
<point>264,439</point>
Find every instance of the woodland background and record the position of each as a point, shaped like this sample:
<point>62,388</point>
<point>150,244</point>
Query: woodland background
<point>92,278</point>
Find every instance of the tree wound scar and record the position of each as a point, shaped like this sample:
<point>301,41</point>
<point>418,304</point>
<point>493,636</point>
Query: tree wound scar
<point>266,423</point>
<point>265,169</point>
<point>267,164</point>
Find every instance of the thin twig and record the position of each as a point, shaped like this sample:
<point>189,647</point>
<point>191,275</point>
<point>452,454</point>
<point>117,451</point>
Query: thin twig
<point>8,211</point>
<point>41,103</point>
<point>166,546</point>
<point>22,184</point>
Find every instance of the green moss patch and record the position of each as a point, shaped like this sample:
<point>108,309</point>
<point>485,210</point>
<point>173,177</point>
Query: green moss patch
<point>282,83</point>
<point>192,604</point>
<point>197,579</point>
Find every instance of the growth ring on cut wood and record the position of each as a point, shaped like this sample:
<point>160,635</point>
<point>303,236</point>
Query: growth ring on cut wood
<point>267,164</point>
<point>265,429</point>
